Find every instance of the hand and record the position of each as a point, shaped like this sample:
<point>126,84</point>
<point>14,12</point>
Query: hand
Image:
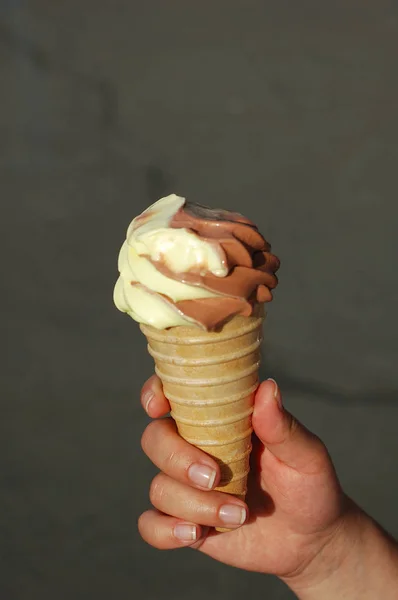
<point>295,500</point>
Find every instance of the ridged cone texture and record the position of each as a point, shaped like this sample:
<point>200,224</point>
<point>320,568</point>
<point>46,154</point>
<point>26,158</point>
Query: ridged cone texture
<point>210,379</point>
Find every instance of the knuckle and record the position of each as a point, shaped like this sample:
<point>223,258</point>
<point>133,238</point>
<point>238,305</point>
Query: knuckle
<point>148,531</point>
<point>141,524</point>
<point>289,430</point>
<point>323,455</point>
<point>144,441</point>
<point>144,527</point>
<point>147,436</point>
<point>160,538</point>
<point>293,427</point>
<point>172,462</point>
<point>156,490</point>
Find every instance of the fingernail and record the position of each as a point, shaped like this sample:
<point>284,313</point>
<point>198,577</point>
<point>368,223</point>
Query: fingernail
<point>186,532</point>
<point>232,514</point>
<point>147,399</point>
<point>202,475</point>
<point>277,393</point>
<point>203,535</point>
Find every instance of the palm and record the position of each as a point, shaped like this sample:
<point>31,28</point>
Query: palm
<point>290,511</point>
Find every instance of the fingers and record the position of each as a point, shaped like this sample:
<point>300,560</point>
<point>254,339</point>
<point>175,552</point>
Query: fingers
<point>153,400</point>
<point>166,533</point>
<point>178,459</point>
<point>288,440</point>
<point>214,509</point>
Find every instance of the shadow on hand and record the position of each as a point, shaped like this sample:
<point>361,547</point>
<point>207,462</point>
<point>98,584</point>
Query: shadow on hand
<point>259,501</point>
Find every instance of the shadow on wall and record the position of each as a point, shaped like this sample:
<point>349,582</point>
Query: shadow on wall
<point>318,391</point>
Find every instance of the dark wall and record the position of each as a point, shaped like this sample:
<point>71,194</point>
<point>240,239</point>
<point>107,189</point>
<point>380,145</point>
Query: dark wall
<point>286,111</point>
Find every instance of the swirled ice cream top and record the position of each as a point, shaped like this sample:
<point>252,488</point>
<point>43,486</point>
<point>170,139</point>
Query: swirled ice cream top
<point>186,264</point>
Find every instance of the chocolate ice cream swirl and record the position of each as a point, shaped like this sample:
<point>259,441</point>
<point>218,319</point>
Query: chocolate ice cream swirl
<point>185,264</point>
<point>246,254</point>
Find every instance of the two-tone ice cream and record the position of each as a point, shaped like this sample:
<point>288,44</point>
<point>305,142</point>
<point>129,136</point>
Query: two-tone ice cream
<point>185,264</point>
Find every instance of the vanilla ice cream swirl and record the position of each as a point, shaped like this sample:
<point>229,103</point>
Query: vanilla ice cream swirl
<point>185,264</point>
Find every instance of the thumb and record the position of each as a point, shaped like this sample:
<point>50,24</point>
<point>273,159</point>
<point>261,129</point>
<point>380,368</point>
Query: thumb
<point>288,440</point>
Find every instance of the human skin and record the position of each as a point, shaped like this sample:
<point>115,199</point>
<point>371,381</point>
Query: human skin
<point>297,524</point>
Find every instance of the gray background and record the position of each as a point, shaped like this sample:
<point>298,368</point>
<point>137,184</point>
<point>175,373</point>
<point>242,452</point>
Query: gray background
<point>284,110</point>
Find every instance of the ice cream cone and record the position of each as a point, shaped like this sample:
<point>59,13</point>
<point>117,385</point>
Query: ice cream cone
<point>210,379</point>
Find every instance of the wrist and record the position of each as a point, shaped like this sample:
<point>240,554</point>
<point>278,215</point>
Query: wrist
<point>330,551</point>
<point>357,560</point>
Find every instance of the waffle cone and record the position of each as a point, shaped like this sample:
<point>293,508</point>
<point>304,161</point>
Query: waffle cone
<point>210,379</point>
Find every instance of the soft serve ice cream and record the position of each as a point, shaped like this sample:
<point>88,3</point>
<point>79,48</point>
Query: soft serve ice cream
<point>186,264</point>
